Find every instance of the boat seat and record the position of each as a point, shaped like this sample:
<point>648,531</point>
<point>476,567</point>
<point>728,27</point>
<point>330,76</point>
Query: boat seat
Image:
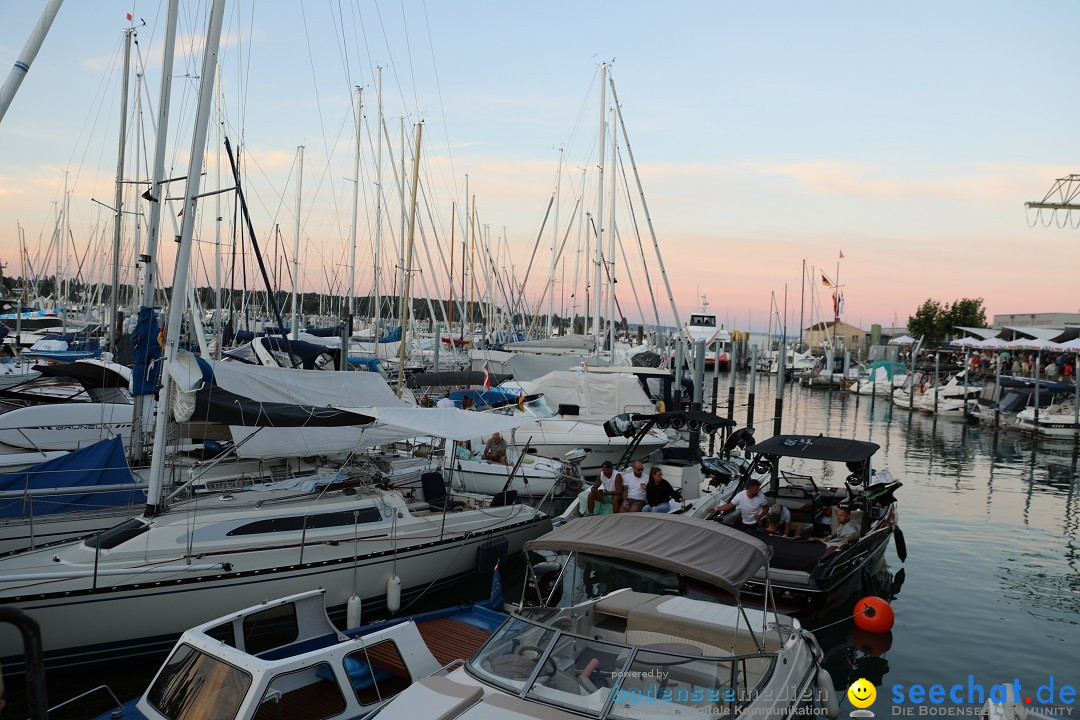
<point>619,604</point>
<point>437,698</point>
<point>434,486</point>
<point>665,620</point>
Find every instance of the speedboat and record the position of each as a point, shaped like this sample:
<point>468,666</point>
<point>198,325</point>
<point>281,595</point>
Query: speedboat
<point>807,575</point>
<point>881,379</point>
<point>608,628</point>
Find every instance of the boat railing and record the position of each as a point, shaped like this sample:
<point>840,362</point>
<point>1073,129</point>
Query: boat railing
<point>117,712</point>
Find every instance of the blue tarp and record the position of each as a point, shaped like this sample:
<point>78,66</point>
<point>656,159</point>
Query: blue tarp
<point>369,364</point>
<point>102,463</point>
<point>392,337</point>
<point>145,373</point>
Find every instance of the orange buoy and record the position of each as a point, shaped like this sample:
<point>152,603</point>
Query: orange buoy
<point>874,615</point>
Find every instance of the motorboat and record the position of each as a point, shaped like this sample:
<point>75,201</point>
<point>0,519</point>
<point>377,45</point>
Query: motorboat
<point>703,327</point>
<point>1003,398</point>
<point>298,660</point>
<point>608,627</point>
<point>1057,418</point>
<point>813,576</point>
<point>132,589</point>
<point>882,378</point>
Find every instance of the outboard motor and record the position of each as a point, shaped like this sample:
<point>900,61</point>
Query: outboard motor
<point>543,583</point>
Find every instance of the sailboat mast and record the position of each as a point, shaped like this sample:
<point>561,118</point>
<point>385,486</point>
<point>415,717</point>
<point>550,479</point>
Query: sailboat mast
<point>407,264</point>
<point>577,261</point>
<point>554,244</point>
<point>118,225</point>
<point>26,57</point>
<point>355,207</point>
<point>376,312</point>
<point>611,237</point>
<point>802,301</point>
<point>597,276</point>
<point>183,254</point>
<point>295,321</point>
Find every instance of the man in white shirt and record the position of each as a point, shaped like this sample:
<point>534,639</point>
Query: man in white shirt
<point>608,488</point>
<point>634,481</point>
<point>751,503</point>
<point>446,401</point>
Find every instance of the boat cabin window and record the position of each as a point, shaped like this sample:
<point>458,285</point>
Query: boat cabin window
<point>271,628</point>
<point>311,693</point>
<point>377,672</point>
<point>703,320</point>
<point>296,523</point>
<point>195,686</point>
<point>116,535</point>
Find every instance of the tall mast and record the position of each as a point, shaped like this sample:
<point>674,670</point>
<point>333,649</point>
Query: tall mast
<point>156,196</point>
<point>554,243</point>
<point>296,243</point>
<point>26,57</point>
<point>377,300</point>
<point>401,235</point>
<point>183,254</point>
<point>64,230</point>
<point>118,225</point>
<point>611,235</point>
<point>355,207</point>
<point>802,301</point>
<point>218,303</point>
<point>407,264</point>
<point>577,261</point>
<point>597,277</point>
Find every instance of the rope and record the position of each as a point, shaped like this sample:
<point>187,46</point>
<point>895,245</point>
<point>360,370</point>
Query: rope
<point>843,620</point>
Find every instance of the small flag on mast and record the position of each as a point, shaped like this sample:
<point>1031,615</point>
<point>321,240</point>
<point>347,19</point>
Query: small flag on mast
<point>825,280</point>
<point>841,254</point>
<point>487,377</point>
<point>129,17</point>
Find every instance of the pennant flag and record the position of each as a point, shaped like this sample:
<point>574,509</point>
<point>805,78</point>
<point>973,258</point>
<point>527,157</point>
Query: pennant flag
<point>487,377</point>
<point>129,17</point>
<point>825,280</point>
<point>841,254</point>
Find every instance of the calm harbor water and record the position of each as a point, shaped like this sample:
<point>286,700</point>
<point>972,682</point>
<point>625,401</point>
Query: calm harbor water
<point>991,586</point>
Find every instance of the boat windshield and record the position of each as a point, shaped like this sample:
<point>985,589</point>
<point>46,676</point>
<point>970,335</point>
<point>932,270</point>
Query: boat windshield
<point>703,320</point>
<point>194,685</point>
<point>609,679</point>
<point>538,407</point>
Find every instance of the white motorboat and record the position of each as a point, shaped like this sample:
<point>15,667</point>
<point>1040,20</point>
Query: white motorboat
<point>1057,419</point>
<point>613,634</point>
<point>882,378</point>
<point>134,588</point>
<point>16,371</point>
<point>221,669</point>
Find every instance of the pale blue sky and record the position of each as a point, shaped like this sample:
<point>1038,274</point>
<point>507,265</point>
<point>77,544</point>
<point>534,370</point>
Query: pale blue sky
<point>909,135</point>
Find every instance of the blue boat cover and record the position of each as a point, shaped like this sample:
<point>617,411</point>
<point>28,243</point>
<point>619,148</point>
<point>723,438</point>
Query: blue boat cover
<point>102,463</point>
<point>395,336</point>
<point>369,364</point>
<point>146,372</point>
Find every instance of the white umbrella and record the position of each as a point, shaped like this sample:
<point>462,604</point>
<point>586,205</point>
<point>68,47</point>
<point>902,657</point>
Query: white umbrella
<point>968,342</point>
<point>1073,344</point>
<point>993,343</point>
<point>902,340</point>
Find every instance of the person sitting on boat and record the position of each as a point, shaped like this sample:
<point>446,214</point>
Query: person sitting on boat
<point>608,488</point>
<point>634,481</point>
<point>659,493</point>
<point>446,401</point>
<point>777,520</point>
<point>844,532</point>
<point>495,450</point>
<point>751,503</point>
<point>467,403</point>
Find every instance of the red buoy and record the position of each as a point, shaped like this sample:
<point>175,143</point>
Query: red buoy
<point>874,615</point>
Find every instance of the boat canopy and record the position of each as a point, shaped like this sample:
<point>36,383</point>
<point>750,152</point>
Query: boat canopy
<point>816,448</point>
<point>217,405</point>
<point>593,393</point>
<point>701,549</point>
<point>89,375</point>
<point>447,379</point>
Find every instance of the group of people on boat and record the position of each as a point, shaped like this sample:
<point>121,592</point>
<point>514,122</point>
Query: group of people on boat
<point>631,491</point>
<point>757,515</point>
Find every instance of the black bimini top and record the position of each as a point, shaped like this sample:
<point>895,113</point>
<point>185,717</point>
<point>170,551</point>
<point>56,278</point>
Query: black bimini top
<point>816,447</point>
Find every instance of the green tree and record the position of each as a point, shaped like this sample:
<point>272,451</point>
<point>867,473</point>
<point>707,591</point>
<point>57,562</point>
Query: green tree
<point>935,320</point>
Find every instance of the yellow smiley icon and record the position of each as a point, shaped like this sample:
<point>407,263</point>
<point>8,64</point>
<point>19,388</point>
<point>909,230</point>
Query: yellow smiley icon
<point>862,693</point>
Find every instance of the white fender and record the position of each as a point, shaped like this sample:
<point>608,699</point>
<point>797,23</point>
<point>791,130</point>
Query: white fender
<point>393,594</point>
<point>352,612</point>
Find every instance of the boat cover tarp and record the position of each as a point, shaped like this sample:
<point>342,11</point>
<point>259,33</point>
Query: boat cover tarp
<point>395,336</point>
<point>293,386</point>
<point>217,405</point>
<point>400,423</point>
<point>602,394</point>
<point>561,342</point>
<point>146,372</point>
<point>102,463</point>
<point>702,549</point>
<point>526,366</point>
<point>816,448</point>
<point>89,375</point>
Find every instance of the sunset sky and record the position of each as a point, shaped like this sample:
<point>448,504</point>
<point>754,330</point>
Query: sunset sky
<point>907,135</point>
